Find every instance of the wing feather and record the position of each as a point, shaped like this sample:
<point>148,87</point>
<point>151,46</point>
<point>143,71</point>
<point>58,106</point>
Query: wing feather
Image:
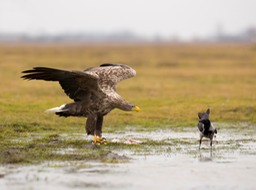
<point>111,74</point>
<point>78,85</point>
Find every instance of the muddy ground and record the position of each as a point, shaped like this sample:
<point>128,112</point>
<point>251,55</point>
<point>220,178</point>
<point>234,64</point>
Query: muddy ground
<point>179,165</point>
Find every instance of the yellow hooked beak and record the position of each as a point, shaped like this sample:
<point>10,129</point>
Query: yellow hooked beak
<point>137,109</point>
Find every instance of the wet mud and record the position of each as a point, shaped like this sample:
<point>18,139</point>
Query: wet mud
<point>175,164</point>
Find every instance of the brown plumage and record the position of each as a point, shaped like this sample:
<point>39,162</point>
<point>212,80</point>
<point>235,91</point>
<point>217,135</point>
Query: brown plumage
<point>93,91</point>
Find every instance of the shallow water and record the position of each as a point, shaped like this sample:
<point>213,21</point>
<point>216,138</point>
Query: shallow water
<point>230,165</point>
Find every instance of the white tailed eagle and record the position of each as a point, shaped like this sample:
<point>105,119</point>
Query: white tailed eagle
<point>93,91</point>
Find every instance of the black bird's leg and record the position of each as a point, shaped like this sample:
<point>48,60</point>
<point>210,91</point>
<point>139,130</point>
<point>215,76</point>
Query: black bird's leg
<point>211,142</point>
<point>200,141</point>
<point>211,139</point>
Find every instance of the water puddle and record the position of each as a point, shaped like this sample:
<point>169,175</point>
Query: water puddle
<point>178,164</point>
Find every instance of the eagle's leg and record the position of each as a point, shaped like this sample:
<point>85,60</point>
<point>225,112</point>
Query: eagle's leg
<point>98,131</point>
<point>98,128</point>
<point>90,125</point>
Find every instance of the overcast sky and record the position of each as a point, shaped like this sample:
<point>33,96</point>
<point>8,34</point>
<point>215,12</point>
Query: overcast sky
<point>183,18</point>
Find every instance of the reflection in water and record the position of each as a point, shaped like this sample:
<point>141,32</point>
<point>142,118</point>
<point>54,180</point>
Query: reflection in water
<point>205,156</point>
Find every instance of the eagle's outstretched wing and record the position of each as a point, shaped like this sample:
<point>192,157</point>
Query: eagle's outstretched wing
<point>76,84</point>
<point>79,85</point>
<point>110,74</point>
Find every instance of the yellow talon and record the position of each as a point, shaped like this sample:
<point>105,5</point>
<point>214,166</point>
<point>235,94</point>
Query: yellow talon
<point>100,140</point>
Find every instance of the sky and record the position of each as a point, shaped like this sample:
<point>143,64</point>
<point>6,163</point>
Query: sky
<point>168,18</point>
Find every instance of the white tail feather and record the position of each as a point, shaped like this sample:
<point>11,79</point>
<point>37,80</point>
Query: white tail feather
<point>56,109</point>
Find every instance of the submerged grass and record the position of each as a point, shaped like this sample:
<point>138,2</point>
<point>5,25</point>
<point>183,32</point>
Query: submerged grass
<point>173,83</point>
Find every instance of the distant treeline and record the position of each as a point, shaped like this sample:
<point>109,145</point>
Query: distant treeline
<point>247,36</point>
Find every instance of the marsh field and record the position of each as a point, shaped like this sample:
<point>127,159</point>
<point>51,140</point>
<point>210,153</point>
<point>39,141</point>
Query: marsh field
<point>155,148</point>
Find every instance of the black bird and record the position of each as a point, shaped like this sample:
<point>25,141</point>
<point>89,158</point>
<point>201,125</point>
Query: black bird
<point>205,127</point>
<point>93,91</point>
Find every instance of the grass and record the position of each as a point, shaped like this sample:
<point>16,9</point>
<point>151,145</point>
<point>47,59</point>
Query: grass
<point>173,83</point>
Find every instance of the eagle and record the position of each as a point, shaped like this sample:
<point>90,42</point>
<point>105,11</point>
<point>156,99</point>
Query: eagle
<point>93,92</point>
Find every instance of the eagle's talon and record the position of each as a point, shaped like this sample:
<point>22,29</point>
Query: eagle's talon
<point>99,140</point>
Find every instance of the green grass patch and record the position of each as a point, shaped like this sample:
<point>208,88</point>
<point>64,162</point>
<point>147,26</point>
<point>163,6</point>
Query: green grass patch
<point>173,83</point>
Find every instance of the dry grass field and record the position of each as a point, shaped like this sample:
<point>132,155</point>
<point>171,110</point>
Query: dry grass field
<point>173,83</point>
